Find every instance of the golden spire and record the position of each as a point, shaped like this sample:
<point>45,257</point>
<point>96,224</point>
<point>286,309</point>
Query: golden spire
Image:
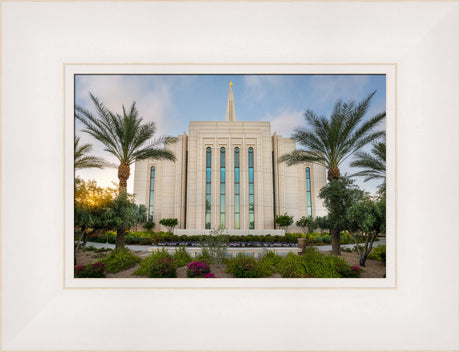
<point>230,114</point>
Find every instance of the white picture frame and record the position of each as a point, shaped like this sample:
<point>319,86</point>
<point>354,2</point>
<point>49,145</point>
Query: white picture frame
<point>418,310</point>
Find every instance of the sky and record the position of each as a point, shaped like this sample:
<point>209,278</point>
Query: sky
<point>172,101</point>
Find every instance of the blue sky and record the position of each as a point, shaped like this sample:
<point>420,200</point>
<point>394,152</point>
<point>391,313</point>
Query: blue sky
<point>174,100</point>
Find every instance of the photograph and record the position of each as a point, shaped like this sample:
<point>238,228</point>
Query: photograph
<point>230,175</point>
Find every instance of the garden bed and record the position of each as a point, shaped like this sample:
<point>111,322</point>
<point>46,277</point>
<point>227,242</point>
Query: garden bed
<point>373,269</point>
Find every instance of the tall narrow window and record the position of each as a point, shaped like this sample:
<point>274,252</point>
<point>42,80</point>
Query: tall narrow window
<point>251,186</point>
<point>152,190</point>
<point>222,187</point>
<point>208,189</point>
<point>307,176</point>
<point>237,188</point>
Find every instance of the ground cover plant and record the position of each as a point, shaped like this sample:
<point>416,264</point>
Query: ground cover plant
<point>149,262</point>
<point>119,260</point>
<point>313,264</point>
<point>95,270</point>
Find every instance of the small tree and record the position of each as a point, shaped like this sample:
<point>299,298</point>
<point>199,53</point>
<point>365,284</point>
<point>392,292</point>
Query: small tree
<point>169,223</point>
<point>284,221</point>
<point>216,244</point>
<point>149,225</point>
<point>338,196</point>
<point>366,219</point>
<point>123,213</point>
<point>306,224</point>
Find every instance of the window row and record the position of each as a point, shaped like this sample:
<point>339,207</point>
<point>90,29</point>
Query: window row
<point>236,173</point>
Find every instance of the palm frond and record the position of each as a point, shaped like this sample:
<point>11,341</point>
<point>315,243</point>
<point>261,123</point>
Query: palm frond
<point>373,164</point>
<point>124,135</point>
<point>84,161</point>
<point>301,156</point>
<point>329,141</point>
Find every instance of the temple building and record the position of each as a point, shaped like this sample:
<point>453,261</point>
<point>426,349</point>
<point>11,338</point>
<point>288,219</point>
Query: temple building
<point>226,175</point>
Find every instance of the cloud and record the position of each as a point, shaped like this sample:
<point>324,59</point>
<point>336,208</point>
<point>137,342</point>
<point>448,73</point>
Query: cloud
<point>257,87</point>
<point>285,122</point>
<point>152,95</point>
<point>153,101</point>
<point>332,87</point>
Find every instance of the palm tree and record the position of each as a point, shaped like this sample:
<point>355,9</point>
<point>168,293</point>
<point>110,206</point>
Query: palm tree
<point>373,164</point>
<point>330,141</point>
<point>125,137</point>
<point>84,161</point>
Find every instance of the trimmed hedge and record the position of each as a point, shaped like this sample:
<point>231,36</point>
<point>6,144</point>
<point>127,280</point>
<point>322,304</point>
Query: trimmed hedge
<point>168,239</point>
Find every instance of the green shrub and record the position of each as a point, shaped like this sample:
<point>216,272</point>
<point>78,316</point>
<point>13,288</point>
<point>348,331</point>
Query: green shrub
<point>148,263</point>
<point>163,268</point>
<point>291,266</point>
<point>379,253</point>
<point>181,257</point>
<point>317,265</point>
<point>119,260</point>
<point>318,238</point>
<point>95,270</point>
<point>270,258</point>
<point>346,249</point>
<point>327,239</point>
<point>146,241</point>
<point>246,267</point>
<point>292,237</point>
<point>265,269</point>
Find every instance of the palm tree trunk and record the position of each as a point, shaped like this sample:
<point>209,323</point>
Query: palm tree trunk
<point>120,241</point>
<point>335,236</point>
<point>333,173</point>
<point>123,175</point>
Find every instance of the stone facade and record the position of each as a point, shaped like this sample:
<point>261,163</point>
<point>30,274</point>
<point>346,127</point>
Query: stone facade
<point>179,188</point>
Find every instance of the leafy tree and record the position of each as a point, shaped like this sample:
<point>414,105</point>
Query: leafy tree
<point>330,141</point>
<point>102,209</point>
<point>90,203</point>
<point>84,161</point>
<point>284,221</point>
<point>123,213</point>
<point>169,223</point>
<point>126,138</point>
<point>366,219</point>
<point>338,196</point>
<point>373,164</point>
<point>306,224</point>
